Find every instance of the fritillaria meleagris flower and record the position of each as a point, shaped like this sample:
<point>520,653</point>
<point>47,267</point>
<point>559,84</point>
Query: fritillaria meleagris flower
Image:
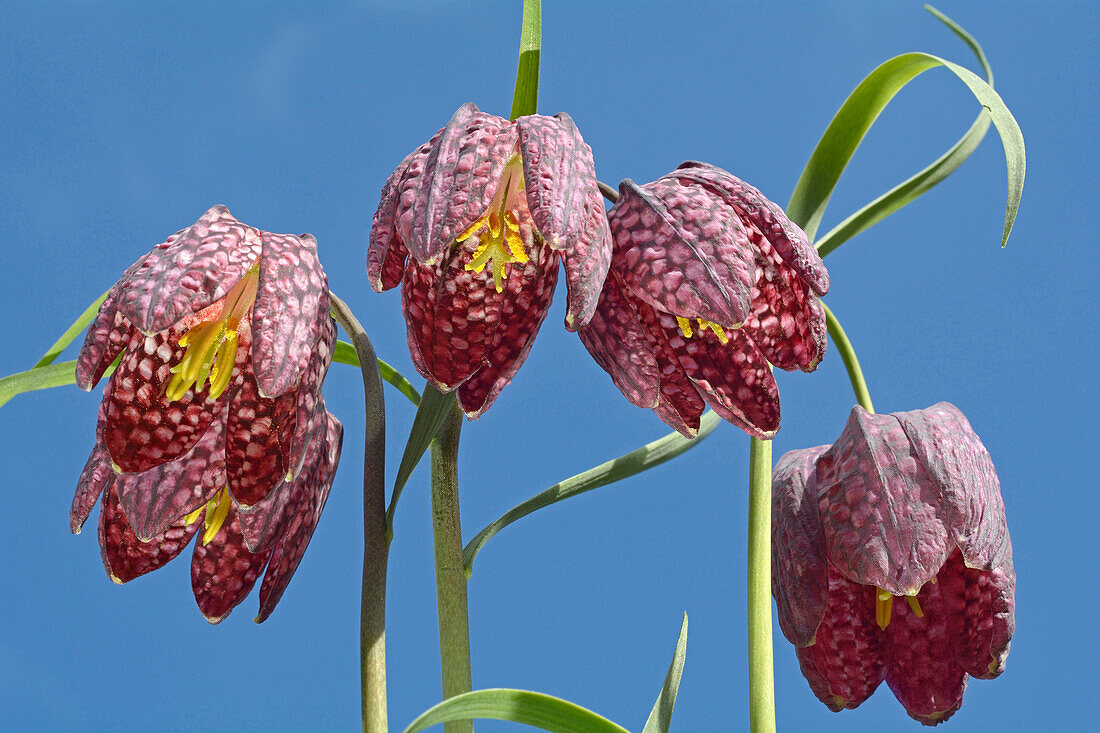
<point>892,560</point>
<point>709,282</point>
<point>472,223</point>
<point>213,420</point>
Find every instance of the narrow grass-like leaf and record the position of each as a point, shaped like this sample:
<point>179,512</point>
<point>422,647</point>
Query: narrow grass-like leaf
<point>661,716</point>
<point>518,706</point>
<point>854,119</point>
<point>73,331</point>
<point>433,409</point>
<point>641,459</point>
<point>919,184</point>
<point>526,96</point>
<point>44,377</point>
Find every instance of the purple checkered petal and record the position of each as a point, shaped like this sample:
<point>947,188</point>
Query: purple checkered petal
<point>528,290</point>
<point>223,571</point>
<point>288,553</point>
<point>681,249</point>
<point>752,206</point>
<point>457,183</point>
<point>566,205</point>
<point>264,523</point>
<point>616,339</point>
<point>198,267</point>
<point>885,521</point>
<point>451,316</point>
<point>109,332</point>
<point>386,253</point>
<point>154,499</point>
<point>800,577</point>
<point>291,309</point>
<point>955,459</point>
<point>125,555</point>
<point>96,476</point>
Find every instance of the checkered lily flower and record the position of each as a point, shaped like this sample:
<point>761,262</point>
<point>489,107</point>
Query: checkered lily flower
<point>903,507</point>
<point>709,282</point>
<point>213,418</point>
<point>472,224</point>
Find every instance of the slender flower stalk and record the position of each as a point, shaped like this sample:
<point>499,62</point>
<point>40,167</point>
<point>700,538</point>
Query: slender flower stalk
<point>376,544</point>
<point>851,361</point>
<point>761,682</point>
<point>450,577</point>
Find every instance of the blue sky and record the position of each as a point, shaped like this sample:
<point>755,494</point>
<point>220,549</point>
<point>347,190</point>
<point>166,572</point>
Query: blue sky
<point>122,122</point>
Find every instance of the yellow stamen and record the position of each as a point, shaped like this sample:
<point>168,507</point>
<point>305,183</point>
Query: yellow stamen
<point>914,606</point>
<point>194,516</point>
<point>497,231</point>
<point>211,346</point>
<point>718,330</point>
<point>217,509</point>
<point>702,324</point>
<point>884,603</point>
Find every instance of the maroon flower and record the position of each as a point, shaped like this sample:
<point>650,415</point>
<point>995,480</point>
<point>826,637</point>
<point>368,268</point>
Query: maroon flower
<point>483,208</point>
<point>709,282</point>
<point>214,413</point>
<point>902,505</point>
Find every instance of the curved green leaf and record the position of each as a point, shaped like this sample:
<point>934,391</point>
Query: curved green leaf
<point>661,716</point>
<point>641,459</point>
<point>854,119</point>
<point>73,331</point>
<point>925,180</point>
<point>519,706</point>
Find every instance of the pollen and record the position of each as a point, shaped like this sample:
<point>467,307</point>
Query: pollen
<point>702,324</point>
<point>211,345</point>
<point>498,230</point>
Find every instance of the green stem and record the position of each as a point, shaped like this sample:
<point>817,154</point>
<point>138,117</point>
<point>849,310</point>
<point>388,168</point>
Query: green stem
<point>761,684</point>
<point>526,96</point>
<point>376,546</point>
<point>851,362</point>
<point>450,577</point>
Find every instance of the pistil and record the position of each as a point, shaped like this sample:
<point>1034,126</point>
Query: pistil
<point>497,231</point>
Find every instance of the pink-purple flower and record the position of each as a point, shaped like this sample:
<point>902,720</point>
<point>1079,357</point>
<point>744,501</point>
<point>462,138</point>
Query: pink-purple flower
<point>471,224</point>
<point>709,282</point>
<point>892,561</point>
<point>213,419</point>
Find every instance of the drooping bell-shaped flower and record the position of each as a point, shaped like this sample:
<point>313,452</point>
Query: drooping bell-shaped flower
<point>892,560</point>
<point>214,415</point>
<point>709,282</point>
<point>472,224</point>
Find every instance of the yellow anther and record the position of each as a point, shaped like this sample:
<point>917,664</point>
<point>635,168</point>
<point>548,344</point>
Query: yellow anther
<point>217,509</point>
<point>884,603</point>
<point>223,365</point>
<point>914,606</point>
<point>685,326</point>
<point>718,330</point>
<point>194,516</point>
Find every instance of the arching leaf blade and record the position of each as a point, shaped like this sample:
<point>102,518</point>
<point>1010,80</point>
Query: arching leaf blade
<point>518,706</point>
<point>855,117</point>
<point>649,455</point>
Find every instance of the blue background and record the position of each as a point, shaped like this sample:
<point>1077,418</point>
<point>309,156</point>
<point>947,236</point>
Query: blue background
<point>122,122</point>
